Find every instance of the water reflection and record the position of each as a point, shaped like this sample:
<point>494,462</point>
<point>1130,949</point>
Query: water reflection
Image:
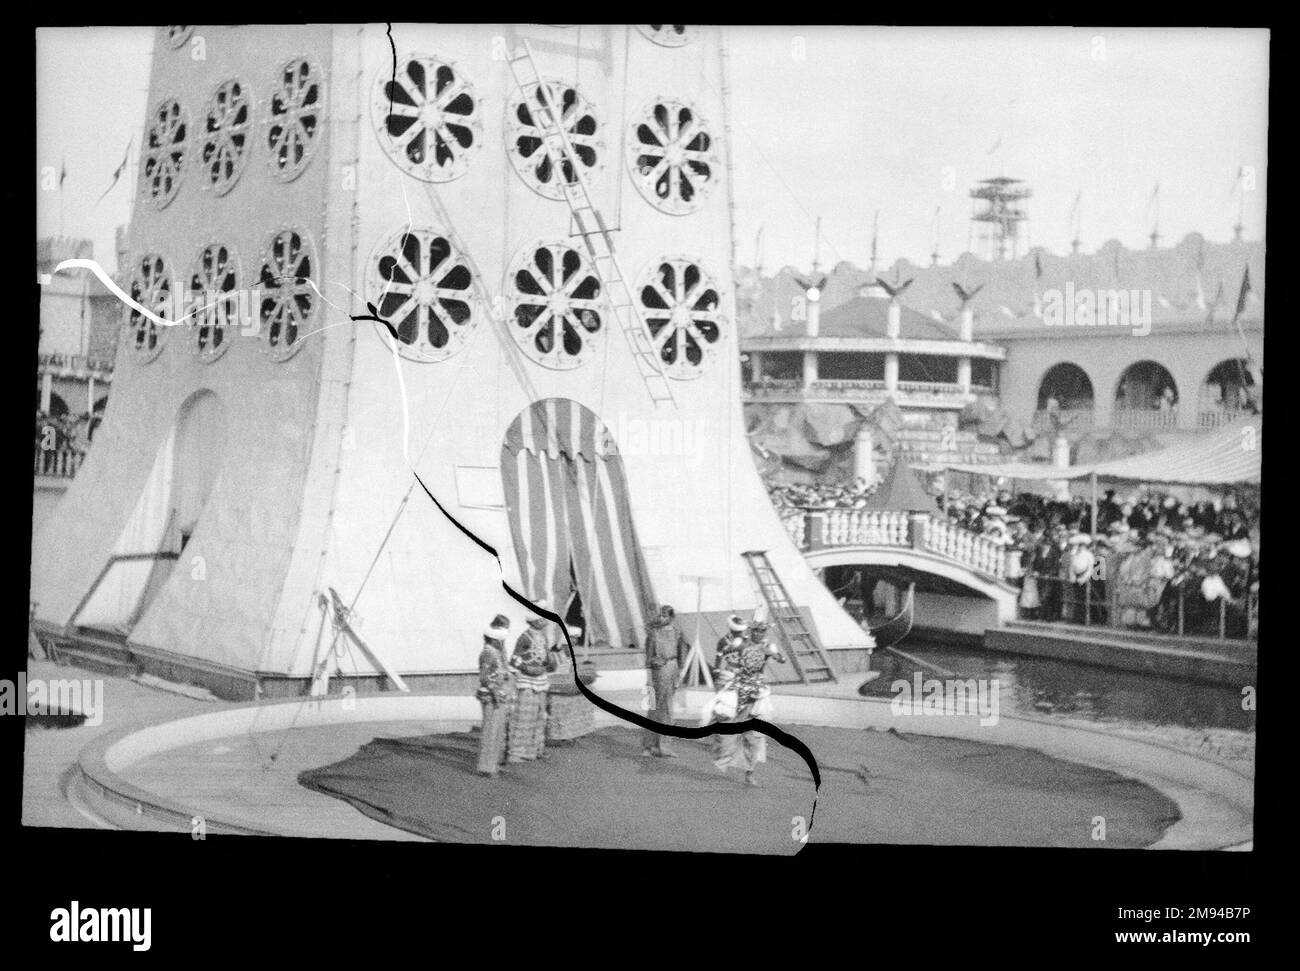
<point>1035,686</point>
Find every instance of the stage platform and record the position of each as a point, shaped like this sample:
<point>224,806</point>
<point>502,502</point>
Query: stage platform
<point>887,778</point>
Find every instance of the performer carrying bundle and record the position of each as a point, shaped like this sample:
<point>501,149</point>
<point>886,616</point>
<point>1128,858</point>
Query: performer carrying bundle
<point>743,694</point>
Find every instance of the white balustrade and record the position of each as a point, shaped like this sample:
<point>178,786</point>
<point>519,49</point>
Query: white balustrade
<point>872,527</point>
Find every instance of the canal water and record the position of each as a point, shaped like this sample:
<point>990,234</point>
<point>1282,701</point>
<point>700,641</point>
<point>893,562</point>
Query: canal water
<point>1170,710</point>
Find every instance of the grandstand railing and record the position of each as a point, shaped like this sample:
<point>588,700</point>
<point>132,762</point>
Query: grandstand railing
<point>59,463</point>
<point>1071,419</point>
<point>1211,418</point>
<point>1183,611</point>
<point>867,389</point>
<point>1144,418</point>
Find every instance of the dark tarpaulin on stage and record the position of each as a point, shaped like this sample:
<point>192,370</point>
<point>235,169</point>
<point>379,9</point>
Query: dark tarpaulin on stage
<point>878,787</point>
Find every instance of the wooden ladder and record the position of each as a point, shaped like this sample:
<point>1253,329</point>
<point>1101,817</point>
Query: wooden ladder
<point>801,647</point>
<point>592,228</point>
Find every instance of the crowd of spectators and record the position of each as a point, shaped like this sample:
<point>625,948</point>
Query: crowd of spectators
<point>789,496</point>
<point>1153,560</point>
<point>60,434</point>
<point>64,431</point>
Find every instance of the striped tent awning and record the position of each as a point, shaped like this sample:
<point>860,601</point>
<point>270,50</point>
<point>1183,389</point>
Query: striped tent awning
<point>1228,456</point>
<point>571,520</point>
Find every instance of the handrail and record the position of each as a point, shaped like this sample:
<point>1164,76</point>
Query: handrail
<point>818,528</point>
<point>59,463</point>
<point>1084,601</point>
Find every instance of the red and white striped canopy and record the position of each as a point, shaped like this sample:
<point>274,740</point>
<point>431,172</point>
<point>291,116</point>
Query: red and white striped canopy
<point>567,496</point>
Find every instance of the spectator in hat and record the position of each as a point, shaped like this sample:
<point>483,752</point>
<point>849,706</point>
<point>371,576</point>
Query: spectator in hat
<point>1078,565</point>
<point>1105,565</point>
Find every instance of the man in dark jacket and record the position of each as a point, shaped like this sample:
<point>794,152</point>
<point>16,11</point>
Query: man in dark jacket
<point>665,653</point>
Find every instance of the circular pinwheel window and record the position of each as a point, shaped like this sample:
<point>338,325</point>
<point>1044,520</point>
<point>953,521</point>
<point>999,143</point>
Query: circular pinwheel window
<point>225,136</point>
<point>424,288</point>
<point>213,307</point>
<point>667,35</point>
<point>151,289</point>
<point>670,155</point>
<point>535,147</point>
<point>287,296</point>
<point>556,306</point>
<point>295,117</point>
<point>428,119</point>
<point>163,163</point>
<point>681,307</point>
<point>178,34</point>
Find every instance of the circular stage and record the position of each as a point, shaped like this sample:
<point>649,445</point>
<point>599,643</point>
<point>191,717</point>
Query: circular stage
<point>403,767</point>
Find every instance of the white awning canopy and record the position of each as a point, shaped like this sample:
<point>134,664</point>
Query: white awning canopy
<point>1228,456</point>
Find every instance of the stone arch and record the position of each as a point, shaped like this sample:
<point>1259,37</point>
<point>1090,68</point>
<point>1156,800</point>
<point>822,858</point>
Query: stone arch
<point>1145,385</point>
<point>1069,384</point>
<point>1228,387</point>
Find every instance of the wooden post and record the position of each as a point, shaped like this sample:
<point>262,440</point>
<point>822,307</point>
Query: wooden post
<point>918,523</point>
<point>696,671</point>
<point>816,520</point>
<point>1093,479</point>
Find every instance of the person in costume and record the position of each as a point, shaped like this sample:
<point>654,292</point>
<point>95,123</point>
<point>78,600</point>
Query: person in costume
<point>752,699</point>
<point>533,660</point>
<point>1078,567</point>
<point>496,692</point>
<point>665,653</point>
<point>727,657</point>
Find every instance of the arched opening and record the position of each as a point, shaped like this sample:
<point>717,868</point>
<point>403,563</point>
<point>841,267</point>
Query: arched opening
<point>571,522</point>
<point>1065,397</point>
<point>1227,393</point>
<point>1146,395</point>
<point>200,448</point>
<point>165,516</point>
<point>58,407</point>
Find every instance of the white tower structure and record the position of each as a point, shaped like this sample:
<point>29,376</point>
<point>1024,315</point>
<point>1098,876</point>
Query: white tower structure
<point>589,429</point>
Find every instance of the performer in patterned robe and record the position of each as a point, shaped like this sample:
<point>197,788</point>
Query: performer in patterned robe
<point>747,750</point>
<point>533,660</point>
<point>726,659</point>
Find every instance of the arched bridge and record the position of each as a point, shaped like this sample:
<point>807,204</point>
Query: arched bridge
<point>921,542</point>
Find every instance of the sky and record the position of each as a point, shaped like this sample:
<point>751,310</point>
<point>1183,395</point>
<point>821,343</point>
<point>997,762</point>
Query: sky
<point>844,122</point>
